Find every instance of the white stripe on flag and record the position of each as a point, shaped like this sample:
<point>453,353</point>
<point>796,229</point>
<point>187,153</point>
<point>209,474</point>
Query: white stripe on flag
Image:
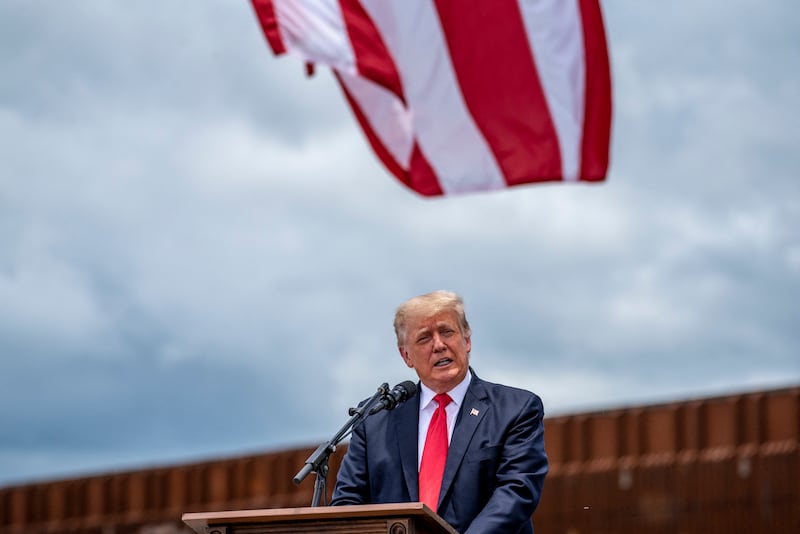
<point>556,38</point>
<point>387,116</point>
<point>445,131</point>
<point>315,30</point>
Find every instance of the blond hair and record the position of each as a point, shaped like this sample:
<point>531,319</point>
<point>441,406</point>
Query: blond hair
<point>427,305</point>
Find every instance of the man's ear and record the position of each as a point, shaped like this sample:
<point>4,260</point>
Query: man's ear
<point>404,355</point>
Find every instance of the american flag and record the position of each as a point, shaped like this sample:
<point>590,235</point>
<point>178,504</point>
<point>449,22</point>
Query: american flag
<point>459,96</point>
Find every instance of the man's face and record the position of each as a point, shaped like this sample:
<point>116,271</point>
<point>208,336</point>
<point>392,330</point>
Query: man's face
<point>437,350</point>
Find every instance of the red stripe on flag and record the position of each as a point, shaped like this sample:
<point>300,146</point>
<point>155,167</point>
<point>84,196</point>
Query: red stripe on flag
<point>491,56</point>
<point>374,141</point>
<point>597,99</point>
<point>420,177</point>
<point>372,57</point>
<point>265,12</point>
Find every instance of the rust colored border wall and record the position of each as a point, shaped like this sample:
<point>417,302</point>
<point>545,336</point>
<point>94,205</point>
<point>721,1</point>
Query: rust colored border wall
<point>725,464</point>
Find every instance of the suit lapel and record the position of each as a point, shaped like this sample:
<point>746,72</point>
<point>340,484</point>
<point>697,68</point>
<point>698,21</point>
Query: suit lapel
<point>405,422</point>
<point>469,417</point>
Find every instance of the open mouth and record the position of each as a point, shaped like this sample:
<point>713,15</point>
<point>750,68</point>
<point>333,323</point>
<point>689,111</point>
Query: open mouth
<point>443,362</point>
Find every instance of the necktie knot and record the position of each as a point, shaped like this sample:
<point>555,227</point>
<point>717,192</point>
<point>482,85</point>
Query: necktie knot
<point>442,399</point>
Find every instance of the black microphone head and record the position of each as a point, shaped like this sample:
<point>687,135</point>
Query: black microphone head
<point>398,395</point>
<point>409,387</point>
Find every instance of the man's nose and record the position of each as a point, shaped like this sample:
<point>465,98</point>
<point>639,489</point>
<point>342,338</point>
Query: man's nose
<point>438,344</point>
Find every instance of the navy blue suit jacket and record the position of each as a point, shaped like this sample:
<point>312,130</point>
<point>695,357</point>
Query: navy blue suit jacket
<point>495,467</point>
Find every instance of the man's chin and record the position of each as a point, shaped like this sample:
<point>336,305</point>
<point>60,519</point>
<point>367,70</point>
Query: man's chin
<point>448,377</point>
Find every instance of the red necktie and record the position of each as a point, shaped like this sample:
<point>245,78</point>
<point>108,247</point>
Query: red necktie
<point>434,455</point>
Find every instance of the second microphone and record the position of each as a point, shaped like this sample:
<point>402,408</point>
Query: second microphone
<point>398,395</point>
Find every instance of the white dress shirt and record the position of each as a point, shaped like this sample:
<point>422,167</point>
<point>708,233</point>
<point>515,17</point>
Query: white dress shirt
<point>427,407</point>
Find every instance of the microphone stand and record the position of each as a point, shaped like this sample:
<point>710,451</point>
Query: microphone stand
<point>318,461</point>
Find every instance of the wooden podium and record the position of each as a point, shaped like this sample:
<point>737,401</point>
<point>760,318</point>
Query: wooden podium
<point>401,518</point>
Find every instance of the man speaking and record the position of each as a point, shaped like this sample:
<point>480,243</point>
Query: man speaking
<point>473,451</point>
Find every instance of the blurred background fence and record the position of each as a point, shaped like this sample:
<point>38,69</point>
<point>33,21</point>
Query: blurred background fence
<point>717,465</point>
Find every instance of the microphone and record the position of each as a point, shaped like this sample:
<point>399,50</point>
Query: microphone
<point>399,394</point>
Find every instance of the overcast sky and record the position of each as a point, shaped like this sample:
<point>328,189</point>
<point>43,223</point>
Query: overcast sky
<point>200,256</point>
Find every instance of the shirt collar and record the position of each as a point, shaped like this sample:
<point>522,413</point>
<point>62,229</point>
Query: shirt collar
<point>457,394</point>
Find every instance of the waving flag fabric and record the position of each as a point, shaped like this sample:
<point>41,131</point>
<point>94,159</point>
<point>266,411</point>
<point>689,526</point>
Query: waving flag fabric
<point>457,96</point>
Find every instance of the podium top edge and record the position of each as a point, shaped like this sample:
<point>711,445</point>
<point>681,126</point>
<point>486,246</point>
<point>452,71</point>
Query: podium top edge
<point>200,521</point>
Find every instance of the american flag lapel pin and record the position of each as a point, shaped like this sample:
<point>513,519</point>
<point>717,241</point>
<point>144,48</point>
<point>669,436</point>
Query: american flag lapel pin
<point>473,412</point>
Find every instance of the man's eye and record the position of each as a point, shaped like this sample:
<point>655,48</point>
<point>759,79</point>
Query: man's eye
<point>423,339</point>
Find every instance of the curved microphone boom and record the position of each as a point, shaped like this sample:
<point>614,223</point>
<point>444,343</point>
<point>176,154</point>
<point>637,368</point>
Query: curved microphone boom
<point>398,395</point>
